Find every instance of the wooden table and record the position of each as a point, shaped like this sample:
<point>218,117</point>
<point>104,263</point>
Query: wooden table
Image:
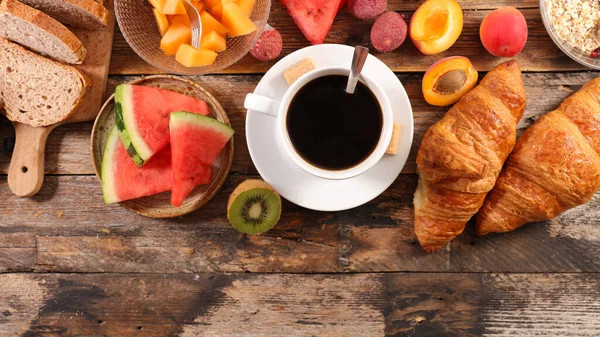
<point>73,266</point>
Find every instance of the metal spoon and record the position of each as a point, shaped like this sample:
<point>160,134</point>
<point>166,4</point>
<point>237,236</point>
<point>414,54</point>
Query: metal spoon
<point>358,61</point>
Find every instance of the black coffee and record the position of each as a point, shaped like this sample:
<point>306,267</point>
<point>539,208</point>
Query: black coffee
<point>331,129</point>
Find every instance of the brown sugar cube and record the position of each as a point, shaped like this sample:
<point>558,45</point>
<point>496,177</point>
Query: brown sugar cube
<point>294,72</point>
<point>393,147</point>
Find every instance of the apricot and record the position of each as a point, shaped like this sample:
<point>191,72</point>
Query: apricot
<point>436,25</point>
<point>503,32</point>
<point>447,80</point>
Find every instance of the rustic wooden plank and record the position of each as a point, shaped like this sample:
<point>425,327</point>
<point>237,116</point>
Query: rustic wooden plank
<point>180,252</point>
<point>67,151</point>
<point>540,53</point>
<point>17,252</point>
<point>567,244</point>
<point>541,305</point>
<point>299,305</point>
<point>201,241</point>
<point>76,232</point>
<point>239,305</point>
<point>17,259</point>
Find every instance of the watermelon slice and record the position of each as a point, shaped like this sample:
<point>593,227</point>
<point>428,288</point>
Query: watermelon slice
<point>196,141</point>
<point>313,17</point>
<point>122,179</point>
<point>342,4</point>
<point>142,116</point>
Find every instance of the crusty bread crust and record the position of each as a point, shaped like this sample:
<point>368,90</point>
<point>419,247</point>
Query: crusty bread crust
<point>16,59</point>
<point>46,23</point>
<point>62,10</point>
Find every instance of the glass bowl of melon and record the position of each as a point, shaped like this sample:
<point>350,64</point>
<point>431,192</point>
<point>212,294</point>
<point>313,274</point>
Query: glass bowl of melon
<point>159,32</point>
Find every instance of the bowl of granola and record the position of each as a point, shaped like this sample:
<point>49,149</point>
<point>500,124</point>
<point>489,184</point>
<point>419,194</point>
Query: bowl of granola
<point>574,26</point>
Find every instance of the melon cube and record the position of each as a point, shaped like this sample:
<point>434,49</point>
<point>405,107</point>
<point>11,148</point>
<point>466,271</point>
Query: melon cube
<point>158,4</point>
<point>209,23</point>
<point>217,11</point>
<point>198,4</point>
<point>182,19</point>
<point>211,3</point>
<point>247,6</point>
<point>161,21</point>
<point>236,21</point>
<point>173,7</point>
<point>189,56</point>
<point>213,41</point>
<point>199,7</point>
<point>176,35</point>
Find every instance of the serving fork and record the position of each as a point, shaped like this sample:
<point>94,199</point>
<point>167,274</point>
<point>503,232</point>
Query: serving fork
<point>195,23</point>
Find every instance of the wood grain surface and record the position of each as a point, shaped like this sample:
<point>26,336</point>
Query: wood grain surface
<point>72,266</point>
<point>299,305</point>
<point>87,236</point>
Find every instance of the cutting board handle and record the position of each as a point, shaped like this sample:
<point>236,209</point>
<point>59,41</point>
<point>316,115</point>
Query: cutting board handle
<point>26,171</point>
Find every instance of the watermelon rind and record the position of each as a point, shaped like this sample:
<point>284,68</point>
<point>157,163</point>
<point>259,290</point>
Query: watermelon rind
<point>135,145</point>
<point>106,176</point>
<point>181,117</point>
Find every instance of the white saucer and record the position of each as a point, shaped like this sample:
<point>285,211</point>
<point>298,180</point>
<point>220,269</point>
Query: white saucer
<point>300,187</point>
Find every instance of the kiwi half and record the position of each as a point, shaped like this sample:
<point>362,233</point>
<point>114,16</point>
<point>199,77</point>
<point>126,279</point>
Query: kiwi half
<point>254,207</point>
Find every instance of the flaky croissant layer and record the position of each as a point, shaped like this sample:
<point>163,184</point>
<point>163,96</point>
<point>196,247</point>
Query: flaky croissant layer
<point>461,156</point>
<point>555,166</point>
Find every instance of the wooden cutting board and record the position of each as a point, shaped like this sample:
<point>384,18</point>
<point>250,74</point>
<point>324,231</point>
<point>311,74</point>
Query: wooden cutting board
<point>26,171</point>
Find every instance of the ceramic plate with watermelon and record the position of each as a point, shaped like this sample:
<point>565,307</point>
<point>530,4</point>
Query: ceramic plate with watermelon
<point>153,174</point>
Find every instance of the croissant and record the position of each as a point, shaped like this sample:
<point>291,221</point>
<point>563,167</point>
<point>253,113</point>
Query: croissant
<point>555,166</point>
<point>461,156</point>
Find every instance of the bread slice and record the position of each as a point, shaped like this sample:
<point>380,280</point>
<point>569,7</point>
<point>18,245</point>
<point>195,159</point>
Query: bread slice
<point>87,14</point>
<point>39,32</point>
<point>36,90</point>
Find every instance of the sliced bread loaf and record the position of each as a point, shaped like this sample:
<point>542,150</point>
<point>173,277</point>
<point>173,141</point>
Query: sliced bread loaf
<point>39,32</point>
<point>36,90</point>
<point>87,14</point>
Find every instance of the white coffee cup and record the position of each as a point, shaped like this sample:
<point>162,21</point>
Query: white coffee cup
<point>279,110</point>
